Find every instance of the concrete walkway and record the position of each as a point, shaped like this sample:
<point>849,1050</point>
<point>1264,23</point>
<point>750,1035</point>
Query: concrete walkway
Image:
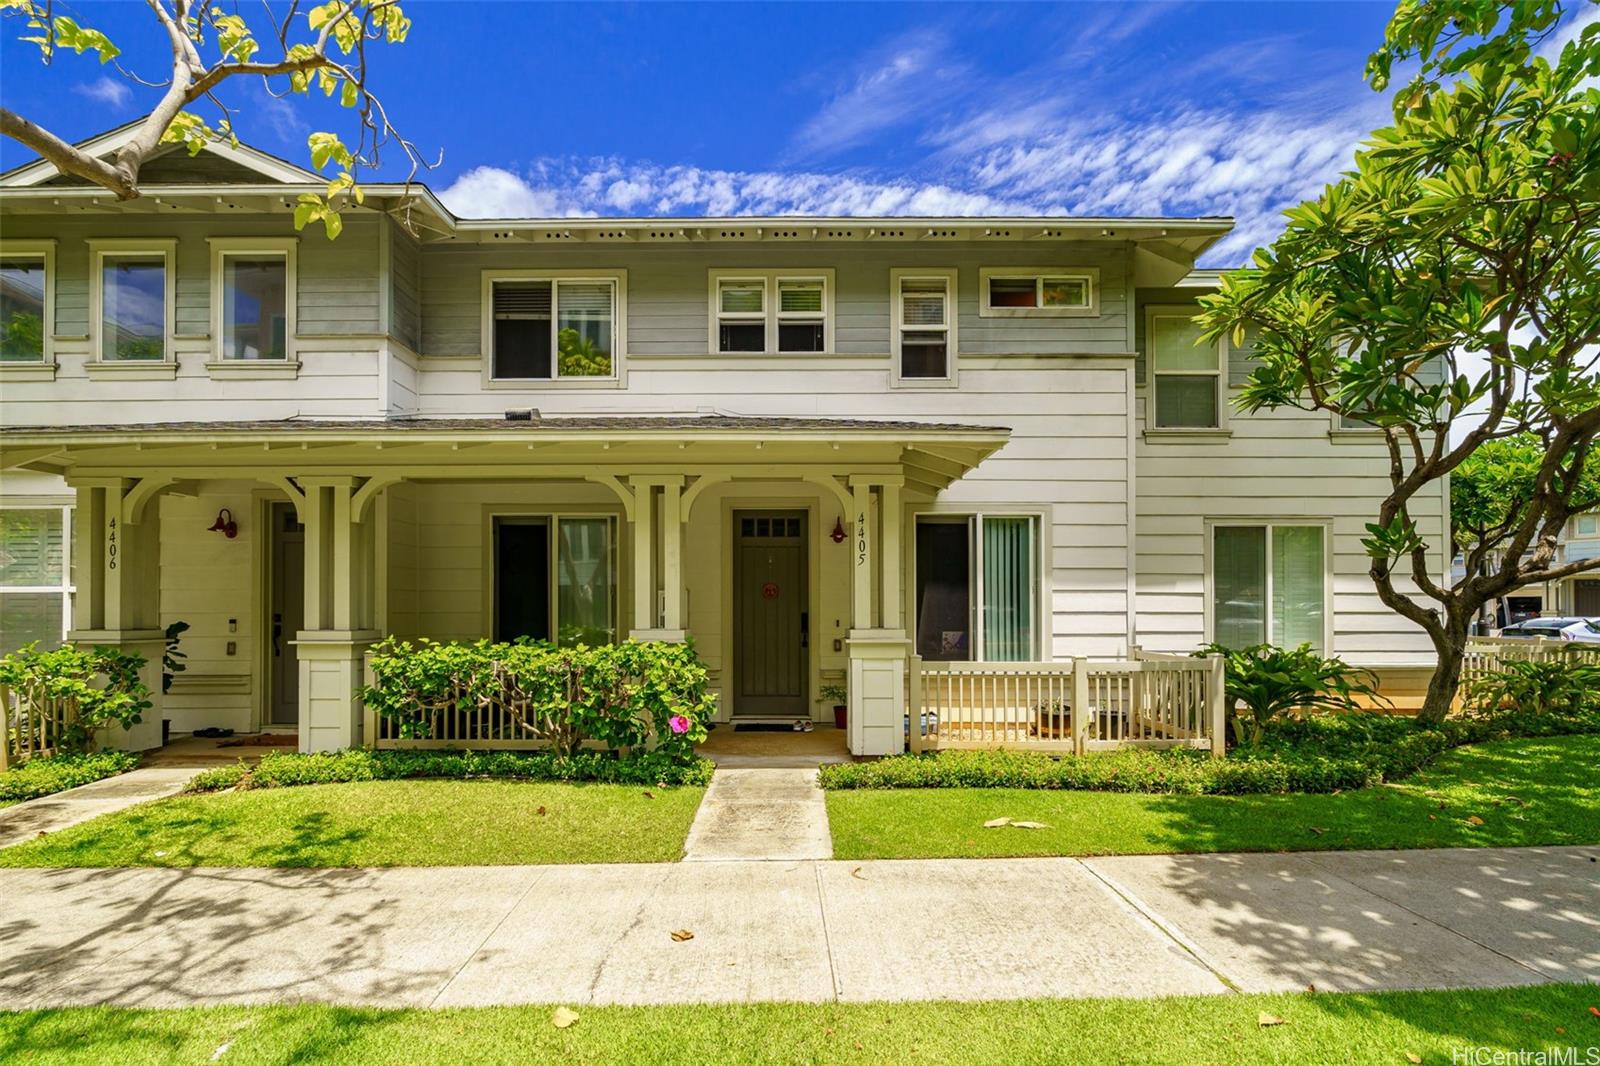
<point>766,814</point>
<point>807,930</point>
<point>47,814</point>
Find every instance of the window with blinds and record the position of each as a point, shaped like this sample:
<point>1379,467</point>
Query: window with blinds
<point>977,587</point>
<point>558,328</point>
<point>1269,585</point>
<point>742,315</point>
<point>1185,371</point>
<point>770,312</point>
<point>35,577</point>
<point>923,327</point>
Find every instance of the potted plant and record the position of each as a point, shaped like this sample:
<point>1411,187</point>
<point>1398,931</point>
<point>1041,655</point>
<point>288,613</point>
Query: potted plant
<point>838,696</point>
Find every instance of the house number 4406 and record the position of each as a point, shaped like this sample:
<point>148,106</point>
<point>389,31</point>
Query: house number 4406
<point>111,545</point>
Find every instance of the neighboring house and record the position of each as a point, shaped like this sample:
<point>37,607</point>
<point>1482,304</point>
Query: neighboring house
<point>1577,596</point>
<point>814,446</point>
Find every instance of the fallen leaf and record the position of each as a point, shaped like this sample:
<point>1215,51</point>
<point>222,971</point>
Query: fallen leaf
<point>1029,825</point>
<point>680,935</point>
<point>1413,1057</point>
<point>1311,988</point>
<point>1317,829</point>
<point>221,1050</point>
<point>992,823</point>
<point>649,795</point>
<point>1264,1019</point>
<point>541,812</point>
<point>856,873</point>
<point>1561,1029</point>
<point>1473,819</point>
<point>564,1018</point>
<point>1595,1011</point>
<point>1433,817</point>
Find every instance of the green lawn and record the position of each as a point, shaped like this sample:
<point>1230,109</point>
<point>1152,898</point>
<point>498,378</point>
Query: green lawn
<point>1378,1028</point>
<point>382,823</point>
<point>1540,791</point>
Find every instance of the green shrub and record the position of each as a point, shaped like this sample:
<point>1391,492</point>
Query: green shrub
<point>1561,687</point>
<point>622,696</point>
<point>218,778</point>
<point>57,773</point>
<point>1270,682</point>
<point>288,769</point>
<point>73,673</point>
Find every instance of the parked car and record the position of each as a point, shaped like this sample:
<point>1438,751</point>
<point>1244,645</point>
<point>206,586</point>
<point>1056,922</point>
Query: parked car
<point>1586,630</point>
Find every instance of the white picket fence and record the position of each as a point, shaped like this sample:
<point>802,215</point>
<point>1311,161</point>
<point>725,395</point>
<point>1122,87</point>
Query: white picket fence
<point>1076,705</point>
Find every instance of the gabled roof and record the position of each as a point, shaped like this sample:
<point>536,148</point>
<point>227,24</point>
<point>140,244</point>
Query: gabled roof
<point>264,165</point>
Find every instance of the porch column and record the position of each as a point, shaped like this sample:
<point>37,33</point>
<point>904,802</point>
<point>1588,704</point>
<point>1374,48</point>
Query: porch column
<point>339,606</point>
<point>653,620</point>
<point>117,546</point>
<point>877,645</point>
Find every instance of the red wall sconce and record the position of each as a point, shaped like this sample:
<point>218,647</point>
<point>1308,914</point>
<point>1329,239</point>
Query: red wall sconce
<point>838,531</point>
<point>225,524</point>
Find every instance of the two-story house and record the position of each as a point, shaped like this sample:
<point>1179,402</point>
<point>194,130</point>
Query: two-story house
<point>815,446</point>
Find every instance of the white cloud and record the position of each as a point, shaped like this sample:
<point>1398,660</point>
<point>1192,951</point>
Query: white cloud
<point>490,192</point>
<point>906,79</point>
<point>107,91</point>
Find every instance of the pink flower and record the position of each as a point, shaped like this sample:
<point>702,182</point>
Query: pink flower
<point>679,723</point>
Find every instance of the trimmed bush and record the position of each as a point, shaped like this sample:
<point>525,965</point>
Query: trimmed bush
<point>622,696</point>
<point>288,769</point>
<point>57,773</point>
<point>104,682</point>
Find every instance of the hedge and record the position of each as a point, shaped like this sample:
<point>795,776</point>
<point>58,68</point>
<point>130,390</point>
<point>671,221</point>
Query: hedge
<point>57,773</point>
<point>288,769</point>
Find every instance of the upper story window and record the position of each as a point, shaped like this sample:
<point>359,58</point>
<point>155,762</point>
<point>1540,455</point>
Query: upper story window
<point>26,278</point>
<point>1586,525</point>
<point>1038,291</point>
<point>253,296</point>
<point>132,296</point>
<point>542,326</point>
<point>1185,375</point>
<point>783,312</point>
<point>923,336</point>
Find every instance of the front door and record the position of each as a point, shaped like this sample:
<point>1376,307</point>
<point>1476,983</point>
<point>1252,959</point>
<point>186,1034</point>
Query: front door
<point>288,612</point>
<point>1586,598</point>
<point>770,619</point>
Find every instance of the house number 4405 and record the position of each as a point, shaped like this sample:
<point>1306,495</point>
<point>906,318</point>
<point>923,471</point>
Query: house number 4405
<point>861,539</point>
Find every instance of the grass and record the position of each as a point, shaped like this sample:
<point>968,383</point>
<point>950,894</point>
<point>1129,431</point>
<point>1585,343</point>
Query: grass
<point>1378,1028</point>
<point>1528,791</point>
<point>57,773</point>
<point>382,823</point>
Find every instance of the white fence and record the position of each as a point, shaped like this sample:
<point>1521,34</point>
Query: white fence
<point>1485,655</point>
<point>1072,706</point>
<point>31,724</point>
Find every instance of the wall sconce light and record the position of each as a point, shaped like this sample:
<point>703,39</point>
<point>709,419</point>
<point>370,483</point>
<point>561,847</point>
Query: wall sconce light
<point>838,531</point>
<point>225,524</point>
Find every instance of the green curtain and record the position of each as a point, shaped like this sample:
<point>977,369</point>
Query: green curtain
<point>1009,592</point>
<point>1297,586</point>
<point>585,582</point>
<point>1239,585</point>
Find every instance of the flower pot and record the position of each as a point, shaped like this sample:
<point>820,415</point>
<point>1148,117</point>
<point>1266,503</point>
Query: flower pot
<point>841,716</point>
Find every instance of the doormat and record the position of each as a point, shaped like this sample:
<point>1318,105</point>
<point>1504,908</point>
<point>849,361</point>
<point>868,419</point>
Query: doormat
<point>264,740</point>
<point>763,727</point>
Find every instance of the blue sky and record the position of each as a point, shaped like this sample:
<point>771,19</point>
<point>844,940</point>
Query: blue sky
<point>1082,108</point>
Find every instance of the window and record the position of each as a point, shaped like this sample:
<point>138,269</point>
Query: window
<point>25,301</point>
<point>35,576</point>
<point>1185,375</point>
<point>977,587</point>
<point>1269,585</point>
<point>924,335</point>
<point>253,296</point>
<point>556,578</point>
<point>131,300</point>
<point>552,328</point>
<point>786,312</point>
<point>1038,291</point>
<point>1586,525</point>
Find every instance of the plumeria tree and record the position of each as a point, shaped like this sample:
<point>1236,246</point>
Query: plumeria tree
<point>297,49</point>
<point>1447,290</point>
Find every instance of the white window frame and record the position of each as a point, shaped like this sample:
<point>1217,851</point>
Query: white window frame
<point>1269,524</point>
<point>618,280</point>
<point>899,275</point>
<point>45,252</point>
<point>1593,518</point>
<point>1152,375</point>
<point>1043,623</point>
<point>1090,276</point>
<point>770,313</point>
<point>222,248</point>
<point>552,519</point>
<point>167,249</point>
<point>65,587</point>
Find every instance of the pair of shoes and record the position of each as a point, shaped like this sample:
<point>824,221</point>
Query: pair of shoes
<point>212,731</point>
<point>803,726</point>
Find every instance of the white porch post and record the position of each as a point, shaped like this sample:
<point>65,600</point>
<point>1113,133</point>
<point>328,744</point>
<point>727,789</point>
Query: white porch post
<point>338,613</point>
<point>653,621</point>
<point>117,545</point>
<point>877,651</point>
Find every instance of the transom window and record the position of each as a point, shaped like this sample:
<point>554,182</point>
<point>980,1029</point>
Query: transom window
<point>1269,585</point>
<point>35,576</point>
<point>24,304</point>
<point>553,328</point>
<point>1017,291</point>
<point>977,587</point>
<point>1185,374</point>
<point>787,312</point>
<point>924,336</point>
<point>556,578</point>
<point>133,298</point>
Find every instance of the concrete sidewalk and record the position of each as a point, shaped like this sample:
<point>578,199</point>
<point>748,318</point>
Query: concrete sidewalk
<point>804,930</point>
<point>47,814</point>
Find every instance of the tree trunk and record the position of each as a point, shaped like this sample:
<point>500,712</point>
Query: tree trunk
<point>1451,645</point>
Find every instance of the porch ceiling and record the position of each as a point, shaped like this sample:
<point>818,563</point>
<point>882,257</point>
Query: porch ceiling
<point>930,455</point>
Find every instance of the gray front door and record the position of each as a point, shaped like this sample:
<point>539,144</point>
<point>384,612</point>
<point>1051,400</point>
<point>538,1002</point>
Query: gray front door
<point>1586,598</point>
<point>288,612</point>
<point>769,614</point>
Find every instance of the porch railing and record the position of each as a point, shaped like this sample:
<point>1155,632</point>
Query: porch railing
<point>32,724</point>
<point>460,721</point>
<point>1485,655</point>
<point>1072,706</point>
